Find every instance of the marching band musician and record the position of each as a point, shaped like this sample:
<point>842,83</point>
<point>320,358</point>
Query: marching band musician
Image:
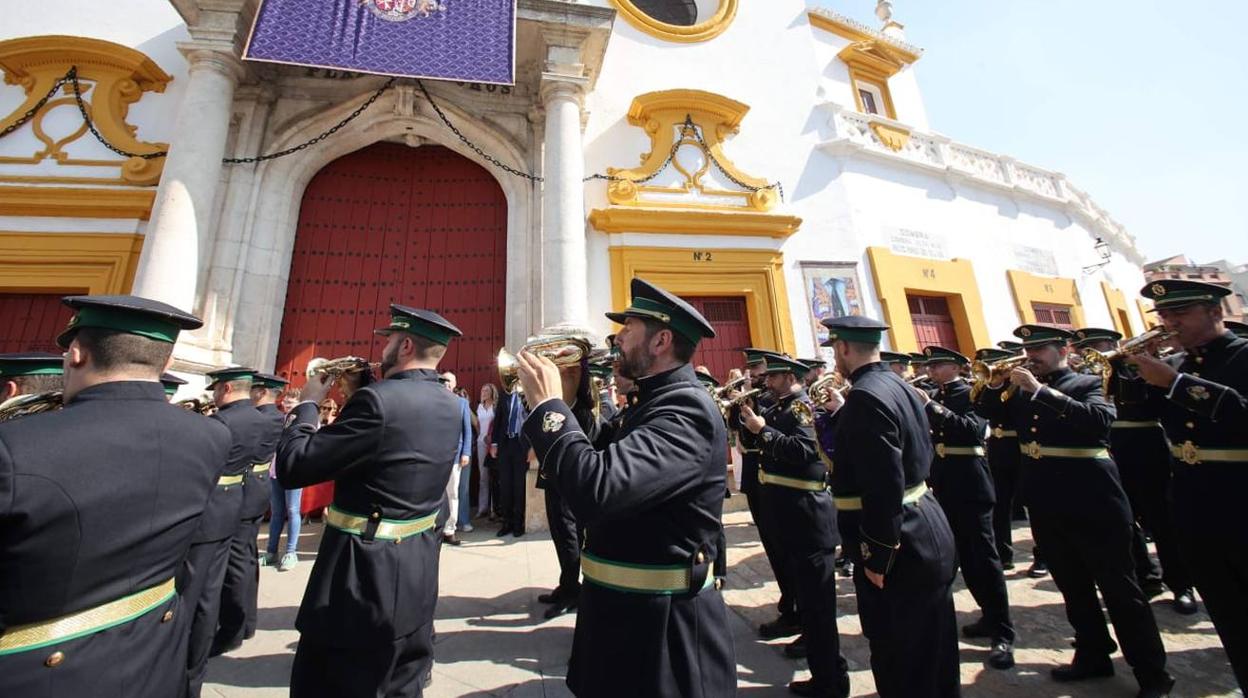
<point>651,620</point>
<point>1079,512</point>
<point>794,490</point>
<point>29,374</point>
<point>99,503</point>
<point>1003,455</point>
<point>964,489</point>
<point>170,383</point>
<point>770,535</point>
<point>1140,450</point>
<point>366,621</point>
<point>900,542</point>
<point>896,362</point>
<point>1205,415</point>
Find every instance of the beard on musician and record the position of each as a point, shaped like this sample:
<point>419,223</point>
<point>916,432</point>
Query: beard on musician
<point>642,342</point>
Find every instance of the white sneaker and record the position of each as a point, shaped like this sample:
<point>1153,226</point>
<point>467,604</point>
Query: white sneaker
<point>467,528</point>
<point>289,560</point>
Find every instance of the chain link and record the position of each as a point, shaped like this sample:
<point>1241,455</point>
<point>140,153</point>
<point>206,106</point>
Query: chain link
<point>317,139</point>
<point>30,113</point>
<point>86,117</point>
<point>475,148</point>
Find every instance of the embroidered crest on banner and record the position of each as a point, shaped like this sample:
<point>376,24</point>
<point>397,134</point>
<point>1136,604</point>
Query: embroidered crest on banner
<point>403,10</point>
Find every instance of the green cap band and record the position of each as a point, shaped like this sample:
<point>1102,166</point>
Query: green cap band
<point>667,315</point>
<point>170,390</point>
<point>856,334</point>
<point>16,369</point>
<point>406,323</point>
<point>124,320</point>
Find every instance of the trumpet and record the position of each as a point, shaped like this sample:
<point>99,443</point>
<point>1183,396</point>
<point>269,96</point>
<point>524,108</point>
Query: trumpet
<point>199,405</point>
<point>984,373</point>
<point>563,350</point>
<point>1101,363</point>
<point>734,384</point>
<point>726,404</point>
<point>336,368</point>
<point>26,405</point>
<point>821,390</point>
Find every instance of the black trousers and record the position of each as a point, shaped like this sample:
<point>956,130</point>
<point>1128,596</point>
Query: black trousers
<point>1218,560</point>
<point>816,592</point>
<point>1003,456</point>
<point>237,618</point>
<point>566,534</point>
<point>1084,554</point>
<point>1145,473</point>
<point>512,465</point>
<point>392,670</point>
<point>971,523</point>
<point>913,636</point>
<point>204,575</point>
<point>773,548</point>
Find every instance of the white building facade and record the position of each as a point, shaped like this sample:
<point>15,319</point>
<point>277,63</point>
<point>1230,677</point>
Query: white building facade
<point>769,161</point>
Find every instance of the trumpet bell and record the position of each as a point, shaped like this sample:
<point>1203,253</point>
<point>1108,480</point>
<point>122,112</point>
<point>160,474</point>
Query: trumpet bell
<point>563,350</point>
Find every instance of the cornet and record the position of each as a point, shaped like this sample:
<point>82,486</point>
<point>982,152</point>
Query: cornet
<point>1101,363</point>
<point>563,350</point>
<point>26,405</point>
<point>336,368</point>
<point>985,373</point>
<point>821,390</point>
<point>199,405</point>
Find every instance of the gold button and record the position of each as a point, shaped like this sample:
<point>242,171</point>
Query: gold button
<point>54,659</point>
<point>167,617</point>
<point>1190,425</point>
<point>1034,430</point>
<point>701,558</point>
<point>1035,416</point>
<point>374,516</point>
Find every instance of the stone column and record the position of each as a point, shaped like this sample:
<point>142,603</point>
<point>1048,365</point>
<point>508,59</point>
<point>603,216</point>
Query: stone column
<point>565,291</point>
<point>185,201</point>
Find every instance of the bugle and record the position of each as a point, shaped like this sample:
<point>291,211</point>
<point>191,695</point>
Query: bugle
<point>563,350</point>
<point>1102,363</point>
<point>985,373</point>
<point>821,390</point>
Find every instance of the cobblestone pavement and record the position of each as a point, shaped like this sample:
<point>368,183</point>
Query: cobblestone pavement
<point>493,641</point>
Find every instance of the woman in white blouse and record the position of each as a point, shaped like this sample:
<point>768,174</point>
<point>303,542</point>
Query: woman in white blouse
<point>485,417</point>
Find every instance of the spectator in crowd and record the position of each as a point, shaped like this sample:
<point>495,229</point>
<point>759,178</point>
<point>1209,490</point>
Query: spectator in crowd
<point>459,471</point>
<point>485,419</point>
<point>284,508</point>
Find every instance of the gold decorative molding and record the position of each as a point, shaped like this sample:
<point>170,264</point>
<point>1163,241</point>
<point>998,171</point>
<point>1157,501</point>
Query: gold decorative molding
<point>847,28</point>
<point>755,275</point>
<point>1030,289</point>
<point>702,31</point>
<point>68,262</point>
<point>898,276</point>
<point>66,202</point>
<point>662,115</point>
<point>112,77</point>
<point>892,136</point>
<point>873,58</point>
<point>629,219</point>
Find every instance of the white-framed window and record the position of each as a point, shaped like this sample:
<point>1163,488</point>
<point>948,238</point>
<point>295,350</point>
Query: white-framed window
<point>871,98</point>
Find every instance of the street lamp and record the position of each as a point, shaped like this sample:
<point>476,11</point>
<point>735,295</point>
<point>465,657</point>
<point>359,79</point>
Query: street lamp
<point>1102,251</point>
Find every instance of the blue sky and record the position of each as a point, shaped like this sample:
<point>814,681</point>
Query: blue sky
<point>1141,103</point>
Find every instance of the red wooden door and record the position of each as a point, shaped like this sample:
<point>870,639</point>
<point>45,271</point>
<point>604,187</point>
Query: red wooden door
<point>423,226</point>
<point>31,321</point>
<point>933,323</point>
<point>728,316</point>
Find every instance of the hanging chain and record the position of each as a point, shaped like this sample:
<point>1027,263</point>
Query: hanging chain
<point>30,113</point>
<point>86,117</point>
<point>475,148</point>
<point>317,139</point>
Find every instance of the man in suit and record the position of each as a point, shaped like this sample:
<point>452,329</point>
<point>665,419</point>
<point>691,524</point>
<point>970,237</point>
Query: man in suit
<point>1079,511</point>
<point>99,503</point>
<point>249,457</point>
<point>511,450</point>
<point>1205,412</point>
<point>366,621</point>
<point>896,532</point>
<point>793,480</point>
<point>26,374</point>
<point>964,489</point>
<point>651,620</point>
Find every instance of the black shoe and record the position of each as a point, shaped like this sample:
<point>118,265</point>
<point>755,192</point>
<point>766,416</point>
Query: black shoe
<point>848,569</point>
<point>1152,588</point>
<point>219,649</point>
<point>517,532</point>
<point>979,628</point>
<point>796,649</point>
<point>1007,565</point>
<point>451,539</point>
<point>810,688</point>
<point>1002,655</point>
<point>551,596</point>
<point>784,626</point>
<point>560,608</point>
<point>1083,669</point>
<point>1038,570</point>
<point>503,531</point>
<point>1161,690</point>
<point>1185,602</point>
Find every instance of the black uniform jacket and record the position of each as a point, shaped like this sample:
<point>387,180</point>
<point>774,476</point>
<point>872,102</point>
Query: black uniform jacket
<point>807,518</point>
<point>882,447</point>
<point>955,424</point>
<point>750,444</point>
<point>1207,408</point>
<point>256,483</point>
<point>390,451</point>
<point>1069,411</point>
<point>247,429</point>
<point>98,501</point>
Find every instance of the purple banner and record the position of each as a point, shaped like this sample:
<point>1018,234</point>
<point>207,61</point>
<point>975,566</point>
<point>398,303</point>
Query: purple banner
<point>467,40</point>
